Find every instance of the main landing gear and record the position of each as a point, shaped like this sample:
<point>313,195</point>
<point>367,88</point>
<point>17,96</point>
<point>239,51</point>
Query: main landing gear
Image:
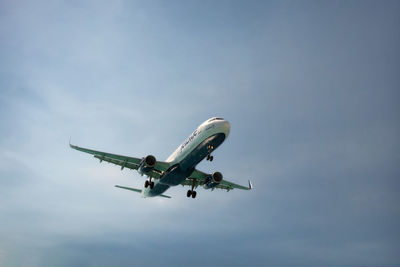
<point>210,149</point>
<point>149,183</point>
<point>191,192</point>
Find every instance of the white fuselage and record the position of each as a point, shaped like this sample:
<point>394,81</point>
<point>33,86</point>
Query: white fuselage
<point>191,151</point>
<point>204,131</point>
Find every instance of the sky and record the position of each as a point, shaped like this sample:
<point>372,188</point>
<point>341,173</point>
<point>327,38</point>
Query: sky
<point>310,88</point>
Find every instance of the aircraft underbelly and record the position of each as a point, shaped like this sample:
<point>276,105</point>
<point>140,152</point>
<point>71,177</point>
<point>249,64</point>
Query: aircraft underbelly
<point>174,176</point>
<point>184,169</point>
<point>201,151</point>
<point>157,190</point>
<point>179,172</point>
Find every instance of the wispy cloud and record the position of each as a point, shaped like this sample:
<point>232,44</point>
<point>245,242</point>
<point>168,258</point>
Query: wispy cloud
<point>310,90</point>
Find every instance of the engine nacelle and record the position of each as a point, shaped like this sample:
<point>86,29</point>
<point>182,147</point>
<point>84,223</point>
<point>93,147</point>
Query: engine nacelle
<point>213,180</point>
<point>147,164</point>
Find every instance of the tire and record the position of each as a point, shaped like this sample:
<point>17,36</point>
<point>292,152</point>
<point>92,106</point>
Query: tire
<point>194,194</point>
<point>146,184</point>
<point>151,185</point>
<point>189,193</point>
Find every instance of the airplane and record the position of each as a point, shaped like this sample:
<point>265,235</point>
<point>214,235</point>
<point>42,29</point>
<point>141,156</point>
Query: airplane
<point>180,167</point>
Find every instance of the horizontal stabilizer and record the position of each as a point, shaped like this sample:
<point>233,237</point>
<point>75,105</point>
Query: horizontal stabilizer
<point>137,190</point>
<point>130,188</point>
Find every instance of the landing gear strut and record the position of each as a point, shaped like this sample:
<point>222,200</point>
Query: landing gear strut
<point>191,192</point>
<point>149,183</point>
<point>210,148</point>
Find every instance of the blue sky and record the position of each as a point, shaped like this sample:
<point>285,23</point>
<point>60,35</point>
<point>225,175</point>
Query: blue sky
<point>311,91</point>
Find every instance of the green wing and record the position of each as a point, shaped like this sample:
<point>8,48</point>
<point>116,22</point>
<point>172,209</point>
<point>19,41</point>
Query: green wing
<point>124,161</point>
<point>198,178</point>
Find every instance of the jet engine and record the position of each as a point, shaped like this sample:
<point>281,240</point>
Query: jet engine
<point>147,164</point>
<point>213,180</point>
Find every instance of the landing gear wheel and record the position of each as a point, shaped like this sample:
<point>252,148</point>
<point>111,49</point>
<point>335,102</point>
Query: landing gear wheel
<point>151,185</point>
<point>146,184</point>
<point>189,193</point>
<point>208,157</point>
<point>194,194</point>
<point>211,158</point>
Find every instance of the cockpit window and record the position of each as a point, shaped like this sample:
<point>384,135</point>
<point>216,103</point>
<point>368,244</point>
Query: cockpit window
<point>215,119</point>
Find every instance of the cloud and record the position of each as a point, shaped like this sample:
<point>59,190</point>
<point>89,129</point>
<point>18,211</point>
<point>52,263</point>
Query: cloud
<point>310,94</point>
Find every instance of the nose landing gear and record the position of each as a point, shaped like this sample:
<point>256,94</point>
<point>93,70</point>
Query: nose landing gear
<point>210,148</point>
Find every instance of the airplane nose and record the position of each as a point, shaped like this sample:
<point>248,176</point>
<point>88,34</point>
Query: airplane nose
<point>227,127</point>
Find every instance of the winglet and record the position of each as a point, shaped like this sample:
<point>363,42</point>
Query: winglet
<point>71,145</point>
<point>250,185</point>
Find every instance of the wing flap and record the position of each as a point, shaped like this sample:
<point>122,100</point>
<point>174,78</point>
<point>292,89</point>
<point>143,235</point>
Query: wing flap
<point>229,186</point>
<point>124,161</point>
<point>101,154</point>
<point>199,177</point>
